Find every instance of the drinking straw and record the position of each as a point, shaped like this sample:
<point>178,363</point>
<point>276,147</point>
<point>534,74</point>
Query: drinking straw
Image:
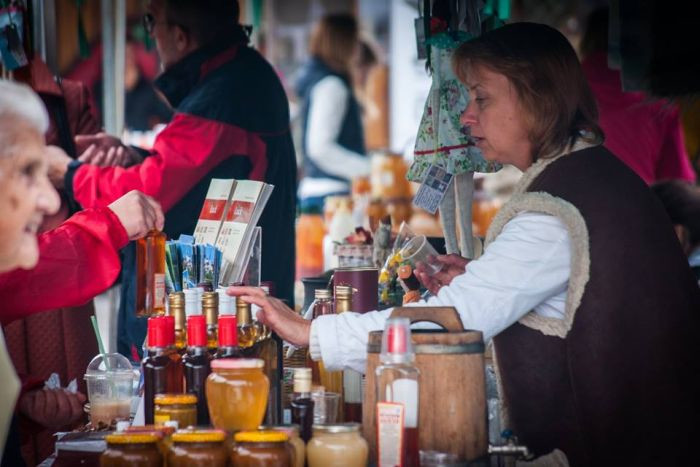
<point>100,346</point>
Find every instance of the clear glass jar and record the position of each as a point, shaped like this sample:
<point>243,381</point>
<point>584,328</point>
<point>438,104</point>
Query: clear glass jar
<point>237,391</point>
<point>181,408</point>
<point>261,449</point>
<point>127,449</point>
<point>337,445</point>
<point>198,448</point>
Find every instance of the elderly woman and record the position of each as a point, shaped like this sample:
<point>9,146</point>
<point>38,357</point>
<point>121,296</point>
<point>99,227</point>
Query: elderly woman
<point>582,285</point>
<point>63,267</point>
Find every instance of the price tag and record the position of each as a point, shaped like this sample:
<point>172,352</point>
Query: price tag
<point>433,189</point>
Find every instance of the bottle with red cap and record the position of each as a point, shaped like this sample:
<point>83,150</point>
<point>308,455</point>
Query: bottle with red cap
<point>397,397</point>
<point>228,338</point>
<point>162,366</point>
<point>197,364</point>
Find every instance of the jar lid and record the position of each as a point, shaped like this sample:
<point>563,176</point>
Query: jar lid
<point>199,436</point>
<point>236,363</point>
<point>260,437</point>
<point>322,293</point>
<point>291,429</point>
<point>338,428</point>
<point>132,438</point>
<point>174,399</point>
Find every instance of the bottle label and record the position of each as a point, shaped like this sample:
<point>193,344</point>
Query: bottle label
<point>390,420</point>
<point>159,290</point>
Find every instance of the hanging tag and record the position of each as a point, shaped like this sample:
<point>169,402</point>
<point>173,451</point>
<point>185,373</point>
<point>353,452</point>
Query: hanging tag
<point>11,50</point>
<point>420,38</point>
<point>433,189</point>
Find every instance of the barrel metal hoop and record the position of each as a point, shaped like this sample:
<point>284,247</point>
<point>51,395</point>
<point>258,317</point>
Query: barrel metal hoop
<point>438,349</point>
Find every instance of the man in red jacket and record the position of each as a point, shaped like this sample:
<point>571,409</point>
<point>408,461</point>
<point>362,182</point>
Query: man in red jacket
<point>231,121</point>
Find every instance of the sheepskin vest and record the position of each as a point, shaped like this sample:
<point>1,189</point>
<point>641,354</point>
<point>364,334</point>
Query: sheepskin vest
<point>616,381</point>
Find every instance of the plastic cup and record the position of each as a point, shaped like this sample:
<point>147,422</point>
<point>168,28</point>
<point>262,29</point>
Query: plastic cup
<point>109,380</point>
<point>326,405</point>
<point>419,250</point>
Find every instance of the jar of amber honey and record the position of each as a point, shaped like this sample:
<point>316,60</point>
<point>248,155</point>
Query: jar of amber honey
<point>198,448</point>
<point>237,391</point>
<point>337,445</point>
<point>181,408</point>
<point>261,449</point>
<point>129,449</point>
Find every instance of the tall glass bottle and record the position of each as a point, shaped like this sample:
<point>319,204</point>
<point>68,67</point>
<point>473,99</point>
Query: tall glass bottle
<point>210,309</point>
<point>352,380</point>
<point>228,338</point>
<point>197,365</point>
<point>302,404</point>
<point>162,366</point>
<point>176,309</point>
<point>150,274</point>
<point>397,397</point>
<point>247,330</point>
<point>332,381</point>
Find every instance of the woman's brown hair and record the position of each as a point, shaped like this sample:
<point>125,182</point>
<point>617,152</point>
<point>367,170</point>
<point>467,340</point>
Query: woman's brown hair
<point>334,40</point>
<point>543,68</point>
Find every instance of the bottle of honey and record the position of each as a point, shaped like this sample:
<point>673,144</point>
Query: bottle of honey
<point>150,274</point>
<point>176,309</point>
<point>210,309</point>
<point>247,329</point>
<point>162,366</point>
<point>352,380</point>
<point>197,366</point>
<point>228,338</point>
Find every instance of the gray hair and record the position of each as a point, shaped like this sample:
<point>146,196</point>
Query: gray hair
<point>18,101</point>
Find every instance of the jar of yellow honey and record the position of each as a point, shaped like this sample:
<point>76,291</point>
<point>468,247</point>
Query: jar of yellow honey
<point>181,408</point>
<point>127,449</point>
<point>237,391</point>
<point>193,448</point>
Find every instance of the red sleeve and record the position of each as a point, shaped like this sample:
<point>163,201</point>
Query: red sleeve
<point>77,261</point>
<point>183,153</point>
<point>674,162</point>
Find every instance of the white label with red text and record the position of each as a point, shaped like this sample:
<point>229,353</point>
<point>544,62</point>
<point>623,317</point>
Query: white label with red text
<point>389,434</point>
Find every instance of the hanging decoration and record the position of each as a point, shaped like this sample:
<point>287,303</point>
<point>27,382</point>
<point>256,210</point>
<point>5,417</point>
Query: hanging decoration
<point>442,143</point>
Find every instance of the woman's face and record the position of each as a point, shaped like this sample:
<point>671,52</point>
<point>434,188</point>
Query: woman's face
<point>26,195</point>
<point>497,121</point>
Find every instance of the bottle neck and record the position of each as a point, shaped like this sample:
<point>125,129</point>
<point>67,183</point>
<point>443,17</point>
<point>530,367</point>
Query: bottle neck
<point>196,350</point>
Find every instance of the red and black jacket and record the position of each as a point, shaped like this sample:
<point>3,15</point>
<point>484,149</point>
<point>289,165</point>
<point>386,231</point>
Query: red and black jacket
<point>231,121</point>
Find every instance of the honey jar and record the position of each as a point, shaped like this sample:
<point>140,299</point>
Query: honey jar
<point>129,449</point>
<point>338,445</point>
<point>261,449</point>
<point>181,408</point>
<point>198,448</point>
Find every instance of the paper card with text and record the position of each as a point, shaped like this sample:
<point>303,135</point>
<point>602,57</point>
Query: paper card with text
<point>235,226</point>
<point>430,193</point>
<point>213,211</point>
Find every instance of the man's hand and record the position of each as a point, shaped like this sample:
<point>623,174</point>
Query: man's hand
<point>57,161</point>
<point>105,150</point>
<point>52,408</point>
<point>452,266</point>
<point>289,325</point>
<point>138,213</point>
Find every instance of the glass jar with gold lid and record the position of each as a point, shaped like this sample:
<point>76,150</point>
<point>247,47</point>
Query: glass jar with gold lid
<point>198,448</point>
<point>181,408</point>
<point>337,445</point>
<point>128,449</point>
<point>237,391</point>
<point>262,449</point>
<point>297,444</point>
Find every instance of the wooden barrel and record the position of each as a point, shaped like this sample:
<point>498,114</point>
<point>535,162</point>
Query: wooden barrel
<point>452,413</point>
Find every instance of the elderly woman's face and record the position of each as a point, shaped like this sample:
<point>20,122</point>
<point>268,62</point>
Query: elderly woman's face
<point>26,195</point>
<point>497,122</point>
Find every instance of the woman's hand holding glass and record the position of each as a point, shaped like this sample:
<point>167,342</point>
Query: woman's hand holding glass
<point>452,266</point>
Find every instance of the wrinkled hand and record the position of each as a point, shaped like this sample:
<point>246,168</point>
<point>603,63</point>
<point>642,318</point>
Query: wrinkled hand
<point>289,325</point>
<point>52,408</point>
<point>105,150</point>
<point>138,213</point>
<point>452,266</point>
<point>57,161</point>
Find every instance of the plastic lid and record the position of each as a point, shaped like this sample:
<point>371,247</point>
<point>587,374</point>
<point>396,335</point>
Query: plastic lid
<point>337,428</point>
<point>196,331</point>
<point>174,399</point>
<point>237,363</point>
<point>170,329</point>
<point>199,436</point>
<point>157,332</point>
<point>132,438</point>
<point>302,380</point>
<point>109,365</point>
<point>260,437</point>
<point>228,331</point>
<point>396,341</point>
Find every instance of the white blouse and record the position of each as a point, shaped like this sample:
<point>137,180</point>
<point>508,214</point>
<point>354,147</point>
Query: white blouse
<point>526,268</point>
